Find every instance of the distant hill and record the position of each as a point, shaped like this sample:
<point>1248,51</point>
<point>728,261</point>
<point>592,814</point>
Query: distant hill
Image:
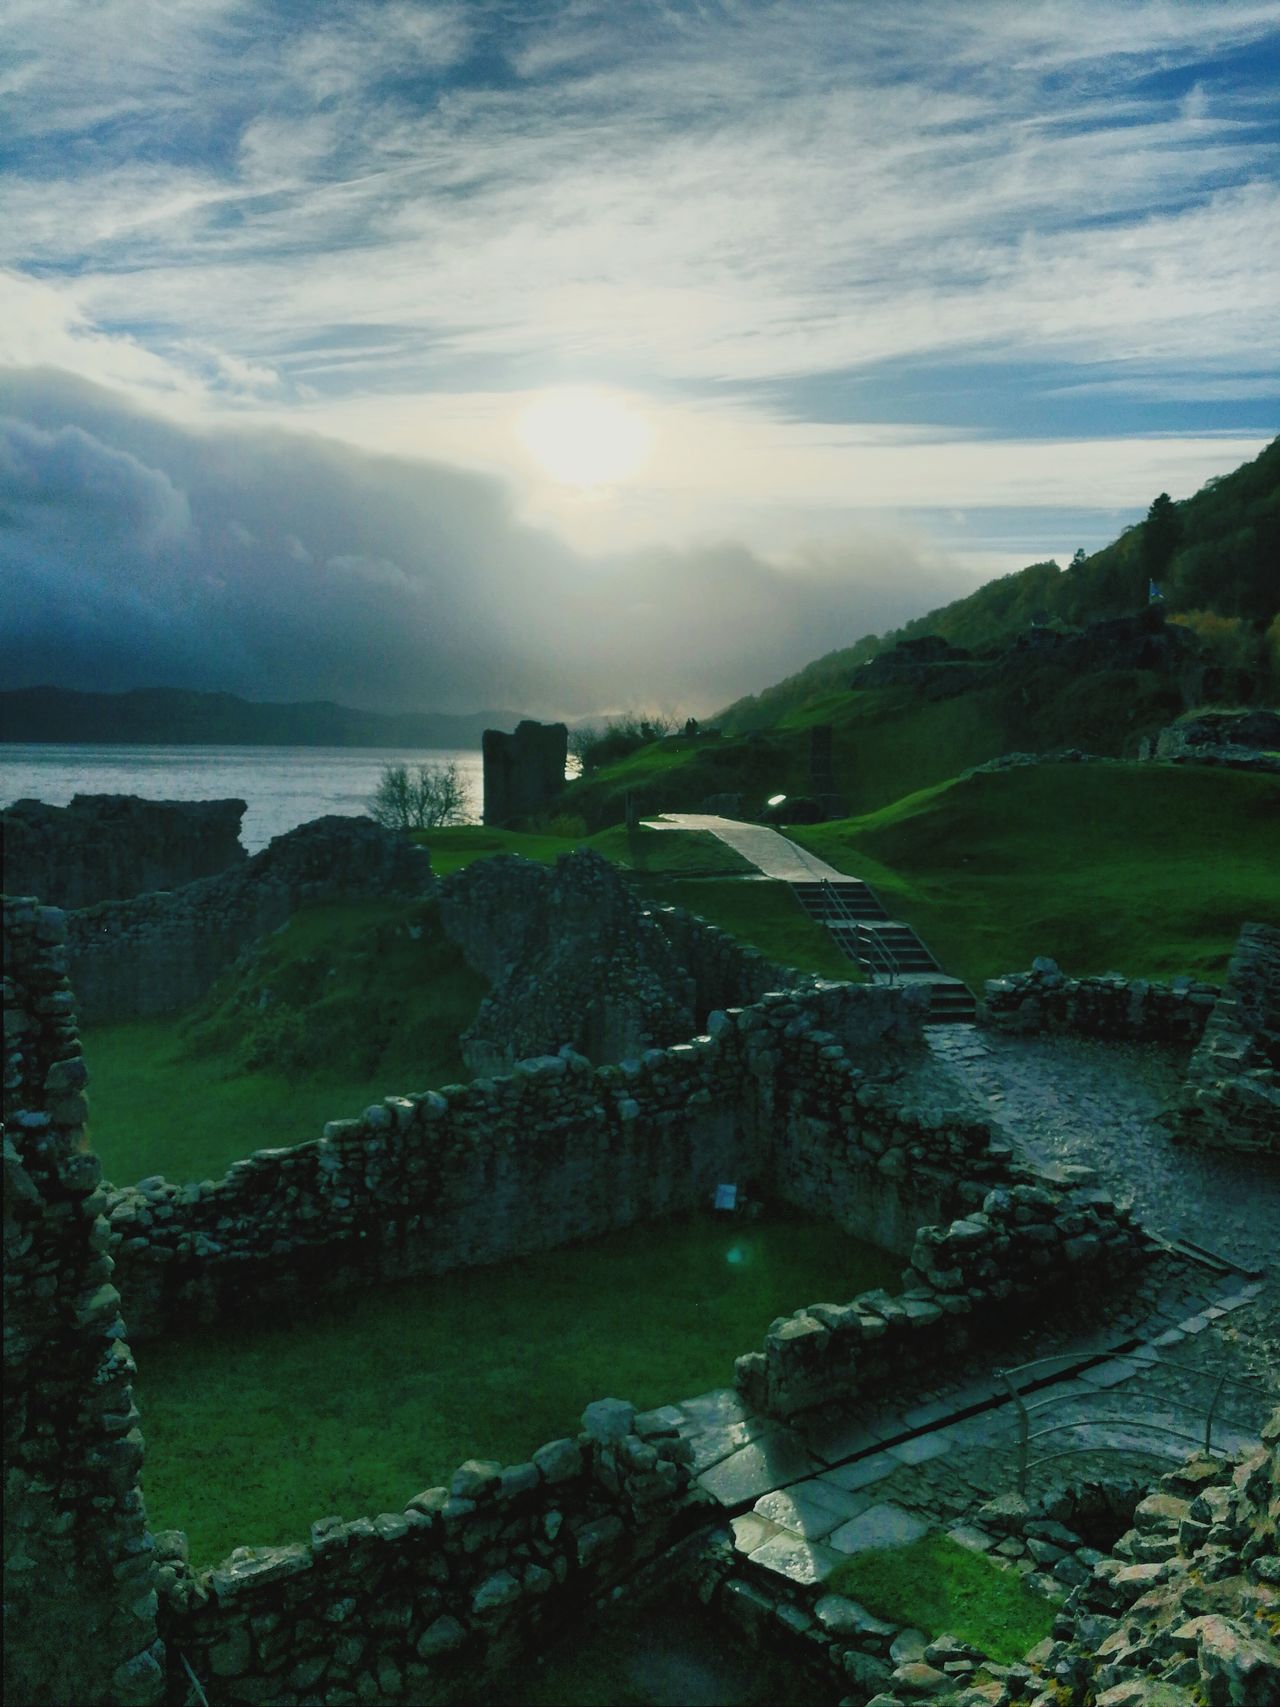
<point>176,717</point>
<point>1219,555</point>
<point>1036,662</point>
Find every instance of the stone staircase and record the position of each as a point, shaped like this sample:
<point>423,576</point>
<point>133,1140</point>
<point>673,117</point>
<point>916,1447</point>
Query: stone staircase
<point>888,951</point>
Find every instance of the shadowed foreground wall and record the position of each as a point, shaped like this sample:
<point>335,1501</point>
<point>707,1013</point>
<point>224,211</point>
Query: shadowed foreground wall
<point>79,1571</point>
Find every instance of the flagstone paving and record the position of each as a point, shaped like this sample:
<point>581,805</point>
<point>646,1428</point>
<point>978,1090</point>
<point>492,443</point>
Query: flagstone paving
<point>798,1508</point>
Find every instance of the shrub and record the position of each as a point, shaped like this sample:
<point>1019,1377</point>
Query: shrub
<point>422,799</point>
<point>596,746</point>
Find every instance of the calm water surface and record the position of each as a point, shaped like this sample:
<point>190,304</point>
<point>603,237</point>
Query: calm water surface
<point>284,786</point>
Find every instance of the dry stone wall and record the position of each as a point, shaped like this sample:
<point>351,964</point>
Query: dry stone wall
<point>1231,1099</point>
<point>1184,1608</point>
<point>160,953</point>
<point>107,847</point>
<point>458,1582</point>
<point>1112,1006</point>
<point>556,1150</point>
<point>79,1570</point>
<point>1019,1241</point>
<point>591,968</point>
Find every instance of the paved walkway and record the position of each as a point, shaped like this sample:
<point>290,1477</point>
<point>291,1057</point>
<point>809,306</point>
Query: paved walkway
<point>802,1498</point>
<point>1083,1100</point>
<point>769,852</point>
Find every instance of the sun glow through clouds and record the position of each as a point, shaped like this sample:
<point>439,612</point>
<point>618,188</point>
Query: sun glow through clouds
<point>584,437</point>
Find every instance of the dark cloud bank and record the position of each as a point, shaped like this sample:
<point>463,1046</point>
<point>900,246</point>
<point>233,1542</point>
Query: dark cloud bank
<point>284,566</point>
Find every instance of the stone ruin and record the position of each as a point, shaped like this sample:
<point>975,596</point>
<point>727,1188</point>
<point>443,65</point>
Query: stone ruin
<point>79,1565</point>
<point>158,953</point>
<point>585,965</point>
<point>770,1086</point>
<point>523,772</point>
<point>1238,740</point>
<point>107,847</point>
<point>1231,1098</point>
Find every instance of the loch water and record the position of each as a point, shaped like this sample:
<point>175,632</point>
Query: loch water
<point>284,786</point>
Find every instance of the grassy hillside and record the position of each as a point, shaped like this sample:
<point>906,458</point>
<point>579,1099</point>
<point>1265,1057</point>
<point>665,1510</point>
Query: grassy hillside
<point>686,853</point>
<point>682,868</point>
<point>349,1003</point>
<point>1223,563</point>
<point>1143,869</point>
<point>889,741</point>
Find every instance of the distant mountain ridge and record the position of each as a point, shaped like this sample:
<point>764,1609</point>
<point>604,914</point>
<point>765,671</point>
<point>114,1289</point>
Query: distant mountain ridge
<point>179,717</point>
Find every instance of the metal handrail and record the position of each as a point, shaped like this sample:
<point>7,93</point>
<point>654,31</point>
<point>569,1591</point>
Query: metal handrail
<point>195,1681</point>
<point>1137,1424</point>
<point>864,939</point>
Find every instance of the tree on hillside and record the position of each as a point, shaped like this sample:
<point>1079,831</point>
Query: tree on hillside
<point>594,746</point>
<point>421,799</point>
<point>1161,534</point>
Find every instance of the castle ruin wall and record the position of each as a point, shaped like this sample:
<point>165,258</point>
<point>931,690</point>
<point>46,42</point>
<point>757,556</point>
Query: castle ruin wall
<point>457,1583</point>
<point>554,1151</point>
<point>159,953</point>
<point>79,1573</point>
<point>1047,1000</point>
<point>108,847</point>
<point>1231,1097</point>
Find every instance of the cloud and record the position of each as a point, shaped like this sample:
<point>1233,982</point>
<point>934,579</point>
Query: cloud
<point>280,565</point>
<point>694,196</point>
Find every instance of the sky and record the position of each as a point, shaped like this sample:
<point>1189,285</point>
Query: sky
<point>583,355</point>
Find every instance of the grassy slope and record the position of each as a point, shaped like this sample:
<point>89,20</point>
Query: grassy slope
<point>942,1588</point>
<point>764,914</point>
<point>893,740</point>
<point>1145,869</point>
<point>682,867</point>
<point>686,852</point>
<point>254,1432</point>
<point>358,1009</point>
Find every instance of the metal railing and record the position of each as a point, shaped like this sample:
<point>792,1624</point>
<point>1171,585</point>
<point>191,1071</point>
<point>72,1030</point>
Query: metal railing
<point>1025,1463</point>
<point>868,947</point>
<point>196,1686</point>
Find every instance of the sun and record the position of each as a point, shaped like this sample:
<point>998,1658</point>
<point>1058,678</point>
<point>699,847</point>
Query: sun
<point>585,437</point>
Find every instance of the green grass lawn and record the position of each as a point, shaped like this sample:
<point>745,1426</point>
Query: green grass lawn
<point>252,1432</point>
<point>759,912</point>
<point>457,845</point>
<point>937,1586</point>
<point>685,852</point>
<point>357,1008</point>
<point>1148,870</point>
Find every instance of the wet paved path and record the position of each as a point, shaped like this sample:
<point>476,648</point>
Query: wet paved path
<point>769,852</point>
<point>1079,1100</point>
<point>804,1497</point>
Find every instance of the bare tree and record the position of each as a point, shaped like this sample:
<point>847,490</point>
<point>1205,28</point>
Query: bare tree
<point>595,745</point>
<point>420,799</point>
